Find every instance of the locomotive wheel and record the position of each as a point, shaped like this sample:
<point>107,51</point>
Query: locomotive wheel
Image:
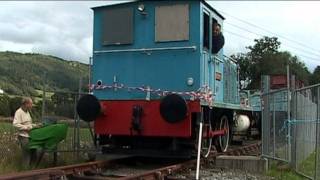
<point>206,141</point>
<point>222,142</point>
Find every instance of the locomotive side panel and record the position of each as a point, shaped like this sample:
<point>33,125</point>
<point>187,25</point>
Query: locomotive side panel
<point>147,62</point>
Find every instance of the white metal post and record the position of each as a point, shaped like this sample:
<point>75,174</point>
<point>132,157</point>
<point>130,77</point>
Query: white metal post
<point>199,146</point>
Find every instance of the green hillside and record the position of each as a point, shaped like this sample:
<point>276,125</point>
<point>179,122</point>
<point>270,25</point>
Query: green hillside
<point>23,74</point>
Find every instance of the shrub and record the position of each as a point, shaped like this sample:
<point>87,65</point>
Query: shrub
<point>4,105</point>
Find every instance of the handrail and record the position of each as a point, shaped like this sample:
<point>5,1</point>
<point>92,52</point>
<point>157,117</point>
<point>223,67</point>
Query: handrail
<point>216,57</point>
<point>146,49</point>
<point>233,60</point>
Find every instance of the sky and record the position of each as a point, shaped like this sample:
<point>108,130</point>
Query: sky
<point>64,28</point>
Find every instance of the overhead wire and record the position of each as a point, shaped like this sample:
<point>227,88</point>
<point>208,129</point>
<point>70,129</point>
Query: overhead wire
<point>236,34</point>
<point>264,29</point>
<point>244,29</point>
<point>298,54</point>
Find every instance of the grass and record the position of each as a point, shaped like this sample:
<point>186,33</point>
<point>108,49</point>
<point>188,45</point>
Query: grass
<point>281,171</point>
<point>8,150</point>
<point>308,165</point>
<point>282,174</point>
<point>10,154</point>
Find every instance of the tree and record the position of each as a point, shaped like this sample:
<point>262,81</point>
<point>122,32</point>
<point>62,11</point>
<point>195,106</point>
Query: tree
<point>266,45</point>
<point>245,66</point>
<point>15,103</point>
<point>4,105</point>
<point>23,74</point>
<point>63,104</point>
<point>264,58</point>
<point>299,69</point>
<point>315,77</point>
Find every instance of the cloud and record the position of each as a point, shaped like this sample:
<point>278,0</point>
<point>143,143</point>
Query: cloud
<point>296,21</point>
<point>64,28</point>
<point>17,47</point>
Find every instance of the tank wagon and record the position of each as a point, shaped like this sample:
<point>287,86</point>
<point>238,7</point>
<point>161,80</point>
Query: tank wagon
<point>155,79</point>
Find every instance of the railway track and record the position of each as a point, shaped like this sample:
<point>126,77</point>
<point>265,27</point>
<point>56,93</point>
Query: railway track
<point>125,168</point>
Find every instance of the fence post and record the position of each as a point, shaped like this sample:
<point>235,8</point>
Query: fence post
<point>294,110</point>
<point>317,163</point>
<point>274,124</point>
<point>78,119</point>
<point>74,125</point>
<point>265,130</point>
<point>89,79</point>
<point>289,117</point>
<point>43,97</point>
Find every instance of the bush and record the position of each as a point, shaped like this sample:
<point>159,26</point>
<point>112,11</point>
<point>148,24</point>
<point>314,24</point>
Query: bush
<point>65,110</point>
<point>4,105</point>
<point>11,89</point>
<point>36,110</point>
<point>15,103</point>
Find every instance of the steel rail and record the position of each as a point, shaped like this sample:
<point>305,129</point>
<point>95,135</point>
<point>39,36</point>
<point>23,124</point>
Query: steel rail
<point>61,171</point>
<point>161,173</point>
<point>77,171</point>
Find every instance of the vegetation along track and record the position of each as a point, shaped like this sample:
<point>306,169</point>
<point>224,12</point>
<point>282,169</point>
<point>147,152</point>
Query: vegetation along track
<point>127,168</point>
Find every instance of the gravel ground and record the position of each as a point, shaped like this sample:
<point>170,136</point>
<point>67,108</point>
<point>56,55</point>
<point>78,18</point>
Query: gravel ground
<point>208,172</point>
<point>220,174</point>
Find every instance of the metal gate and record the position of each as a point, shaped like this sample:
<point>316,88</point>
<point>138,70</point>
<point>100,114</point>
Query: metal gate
<point>275,139</point>
<point>305,127</point>
<point>291,127</point>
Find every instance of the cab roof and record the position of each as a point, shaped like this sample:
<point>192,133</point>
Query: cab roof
<point>133,1</point>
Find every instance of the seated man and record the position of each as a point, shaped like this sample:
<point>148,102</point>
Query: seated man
<point>217,38</point>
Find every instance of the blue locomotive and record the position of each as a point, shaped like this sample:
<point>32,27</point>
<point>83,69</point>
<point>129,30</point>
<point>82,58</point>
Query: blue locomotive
<point>155,78</point>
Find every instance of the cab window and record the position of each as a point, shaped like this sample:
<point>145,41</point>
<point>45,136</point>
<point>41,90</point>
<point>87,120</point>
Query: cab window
<point>117,26</point>
<point>172,22</point>
<point>206,30</point>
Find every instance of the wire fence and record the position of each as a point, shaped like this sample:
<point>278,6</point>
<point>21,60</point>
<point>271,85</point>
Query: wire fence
<point>305,131</point>
<point>274,132</point>
<point>291,128</point>
<point>60,107</point>
<point>50,107</point>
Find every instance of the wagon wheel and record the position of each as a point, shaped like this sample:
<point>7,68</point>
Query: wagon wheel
<point>222,142</point>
